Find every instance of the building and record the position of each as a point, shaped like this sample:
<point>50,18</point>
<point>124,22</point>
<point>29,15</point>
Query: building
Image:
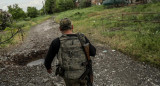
<point>124,2</point>
<point>96,2</point>
<point>138,1</point>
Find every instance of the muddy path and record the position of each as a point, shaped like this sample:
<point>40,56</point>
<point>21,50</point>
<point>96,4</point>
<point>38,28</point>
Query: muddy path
<point>111,68</point>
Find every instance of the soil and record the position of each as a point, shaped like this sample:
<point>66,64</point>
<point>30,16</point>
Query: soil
<point>111,68</point>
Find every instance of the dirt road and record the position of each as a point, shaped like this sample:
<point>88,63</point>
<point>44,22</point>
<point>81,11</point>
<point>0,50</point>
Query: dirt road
<point>111,68</point>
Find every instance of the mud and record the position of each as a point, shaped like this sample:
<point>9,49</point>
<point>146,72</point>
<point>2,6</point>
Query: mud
<point>111,68</point>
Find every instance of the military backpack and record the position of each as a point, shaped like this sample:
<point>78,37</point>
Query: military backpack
<point>71,56</point>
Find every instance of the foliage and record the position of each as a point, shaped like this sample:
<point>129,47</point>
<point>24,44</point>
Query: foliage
<point>41,11</point>
<point>85,3</point>
<point>25,25</point>
<point>16,11</point>
<point>27,19</point>
<point>49,6</point>
<point>63,5</point>
<point>52,6</point>
<point>138,39</point>
<point>32,12</point>
<point>145,8</point>
<point>5,20</point>
<point>79,14</point>
<point>82,3</point>
<point>5,35</point>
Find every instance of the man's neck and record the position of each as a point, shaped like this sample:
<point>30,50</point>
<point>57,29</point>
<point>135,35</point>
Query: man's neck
<point>67,32</point>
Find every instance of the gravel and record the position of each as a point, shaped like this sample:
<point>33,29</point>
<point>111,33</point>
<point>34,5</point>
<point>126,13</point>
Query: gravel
<point>111,68</point>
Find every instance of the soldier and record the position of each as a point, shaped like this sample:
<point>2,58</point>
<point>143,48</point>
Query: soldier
<point>70,55</point>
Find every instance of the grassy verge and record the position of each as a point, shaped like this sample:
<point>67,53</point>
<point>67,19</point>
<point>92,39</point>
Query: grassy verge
<point>25,25</point>
<point>138,39</point>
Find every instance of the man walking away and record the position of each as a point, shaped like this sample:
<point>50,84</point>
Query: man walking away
<point>71,56</point>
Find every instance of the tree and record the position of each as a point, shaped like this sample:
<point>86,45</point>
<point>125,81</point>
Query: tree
<point>49,6</point>
<point>52,6</point>
<point>63,5</point>
<point>32,12</point>
<point>69,4</point>
<point>16,11</point>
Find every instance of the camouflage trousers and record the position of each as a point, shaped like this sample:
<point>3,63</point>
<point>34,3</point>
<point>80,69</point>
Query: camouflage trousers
<point>75,82</point>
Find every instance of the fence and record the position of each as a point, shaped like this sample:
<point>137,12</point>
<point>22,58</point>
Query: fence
<point>111,19</point>
<point>133,14</point>
<point>136,13</point>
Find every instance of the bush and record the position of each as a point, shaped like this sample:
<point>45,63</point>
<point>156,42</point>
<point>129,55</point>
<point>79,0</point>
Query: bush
<point>49,6</point>
<point>62,5</point>
<point>32,12</point>
<point>5,20</point>
<point>27,19</point>
<point>85,3</point>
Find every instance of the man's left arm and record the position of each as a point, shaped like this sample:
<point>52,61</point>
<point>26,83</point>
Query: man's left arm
<point>53,50</point>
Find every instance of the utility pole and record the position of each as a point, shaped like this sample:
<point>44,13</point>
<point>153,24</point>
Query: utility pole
<point>44,9</point>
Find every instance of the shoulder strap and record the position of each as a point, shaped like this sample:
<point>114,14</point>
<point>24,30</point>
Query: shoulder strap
<point>88,71</point>
<point>84,45</point>
<point>81,38</point>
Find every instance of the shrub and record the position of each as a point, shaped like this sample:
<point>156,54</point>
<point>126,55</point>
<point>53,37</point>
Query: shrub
<point>32,12</point>
<point>49,6</point>
<point>62,5</point>
<point>5,20</point>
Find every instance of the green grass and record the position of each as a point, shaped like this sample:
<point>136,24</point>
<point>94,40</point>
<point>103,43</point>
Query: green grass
<point>25,25</point>
<point>140,40</point>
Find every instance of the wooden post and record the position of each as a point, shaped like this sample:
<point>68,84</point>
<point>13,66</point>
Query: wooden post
<point>18,33</point>
<point>102,22</point>
<point>122,16</point>
<point>22,34</point>
<point>0,38</point>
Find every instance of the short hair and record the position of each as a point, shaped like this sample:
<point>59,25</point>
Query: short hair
<point>65,24</point>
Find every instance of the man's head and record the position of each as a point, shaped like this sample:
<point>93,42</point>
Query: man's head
<point>65,24</point>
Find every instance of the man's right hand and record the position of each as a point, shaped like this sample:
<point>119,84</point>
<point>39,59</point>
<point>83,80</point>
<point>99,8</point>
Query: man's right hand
<point>49,71</point>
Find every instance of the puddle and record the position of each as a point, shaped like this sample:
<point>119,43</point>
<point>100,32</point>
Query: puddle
<point>30,59</point>
<point>36,62</point>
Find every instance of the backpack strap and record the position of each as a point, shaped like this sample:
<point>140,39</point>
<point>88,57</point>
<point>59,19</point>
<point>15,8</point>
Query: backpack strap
<point>81,38</point>
<point>88,71</point>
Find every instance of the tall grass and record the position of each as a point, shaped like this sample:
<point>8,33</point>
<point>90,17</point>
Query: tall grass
<point>140,40</point>
<point>25,25</point>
